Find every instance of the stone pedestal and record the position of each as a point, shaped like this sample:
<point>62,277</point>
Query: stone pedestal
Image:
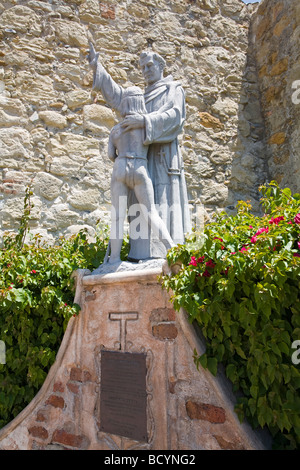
<point>128,317</point>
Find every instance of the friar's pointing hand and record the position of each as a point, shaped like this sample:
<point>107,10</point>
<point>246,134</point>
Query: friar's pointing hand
<point>93,56</point>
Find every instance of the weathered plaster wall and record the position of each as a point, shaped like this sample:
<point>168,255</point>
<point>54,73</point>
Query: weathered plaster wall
<point>54,129</point>
<point>276,32</point>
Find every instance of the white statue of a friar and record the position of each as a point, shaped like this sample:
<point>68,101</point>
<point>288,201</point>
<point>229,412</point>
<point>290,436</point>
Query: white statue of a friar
<point>158,129</point>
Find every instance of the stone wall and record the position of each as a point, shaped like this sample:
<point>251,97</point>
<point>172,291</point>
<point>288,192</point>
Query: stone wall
<point>276,29</point>
<point>54,128</point>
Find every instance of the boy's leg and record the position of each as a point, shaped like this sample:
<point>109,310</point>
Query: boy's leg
<point>119,196</point>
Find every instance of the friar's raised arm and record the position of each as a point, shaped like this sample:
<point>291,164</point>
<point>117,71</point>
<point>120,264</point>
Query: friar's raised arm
<point>111,91</point>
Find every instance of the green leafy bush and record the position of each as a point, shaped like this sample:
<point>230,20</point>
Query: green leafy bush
<point>36,302</point>
<point>240,281</point>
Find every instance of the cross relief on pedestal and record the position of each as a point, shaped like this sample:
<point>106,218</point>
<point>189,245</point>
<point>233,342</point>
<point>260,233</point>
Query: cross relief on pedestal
<point>123,318</point>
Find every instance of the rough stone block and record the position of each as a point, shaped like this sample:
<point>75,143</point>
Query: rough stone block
<point>206,412</point>
<point>53,119</point>
<point>165,331</point>
<point>39,432</point>
<point>278,138</point>
<point>60,436</point>
<point>96,116</point>
<point>22,19</point>
<point>47,185</point>
<point>163,315</point>
<point>207,120</point>
<point>56,401</point>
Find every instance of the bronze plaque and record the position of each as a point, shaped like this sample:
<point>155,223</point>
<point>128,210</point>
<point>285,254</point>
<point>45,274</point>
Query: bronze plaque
<point>123,396</point>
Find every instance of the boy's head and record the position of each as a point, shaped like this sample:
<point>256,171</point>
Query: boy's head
<point>133,101</point>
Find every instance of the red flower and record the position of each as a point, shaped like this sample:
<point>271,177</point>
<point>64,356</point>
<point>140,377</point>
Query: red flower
<point>297,218</point>
<point>193,261</point>
<point>33,271</point>
<point>276,220</point>
<point>297,255</point>
<point>206,273</point>
<point>259,231</point>
<point>221,240</point>
<point>210,264</point>
<point>262,230</point>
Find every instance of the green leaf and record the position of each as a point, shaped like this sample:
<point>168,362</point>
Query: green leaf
<point>212,365</point>
<point>231,372</point>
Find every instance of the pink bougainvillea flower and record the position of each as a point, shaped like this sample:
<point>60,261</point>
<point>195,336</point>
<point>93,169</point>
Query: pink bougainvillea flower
<point>298,243</point>
<point>210,264</point>
<point>33,271</point>
<point>193,261</point>
<point>206,273</point>
<point>259,232</point>
<point>262,230</point>
<point>276,220</point>
<point>296,255</point>
<point>221,240</point>
<point>244,248</point>
<point>297,218</point>
<point>290,222</point>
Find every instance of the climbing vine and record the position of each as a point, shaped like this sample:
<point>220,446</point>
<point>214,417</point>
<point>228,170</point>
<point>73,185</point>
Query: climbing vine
<point>239,280</point>
<point>36,303</point>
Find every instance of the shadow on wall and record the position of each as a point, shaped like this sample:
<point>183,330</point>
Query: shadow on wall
<point>249,167</point>
<point>276,27</point>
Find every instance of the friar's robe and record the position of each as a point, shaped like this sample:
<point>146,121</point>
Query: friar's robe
<point>165,104</point>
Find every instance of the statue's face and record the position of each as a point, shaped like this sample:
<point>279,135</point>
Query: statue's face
<point>151,70</point>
